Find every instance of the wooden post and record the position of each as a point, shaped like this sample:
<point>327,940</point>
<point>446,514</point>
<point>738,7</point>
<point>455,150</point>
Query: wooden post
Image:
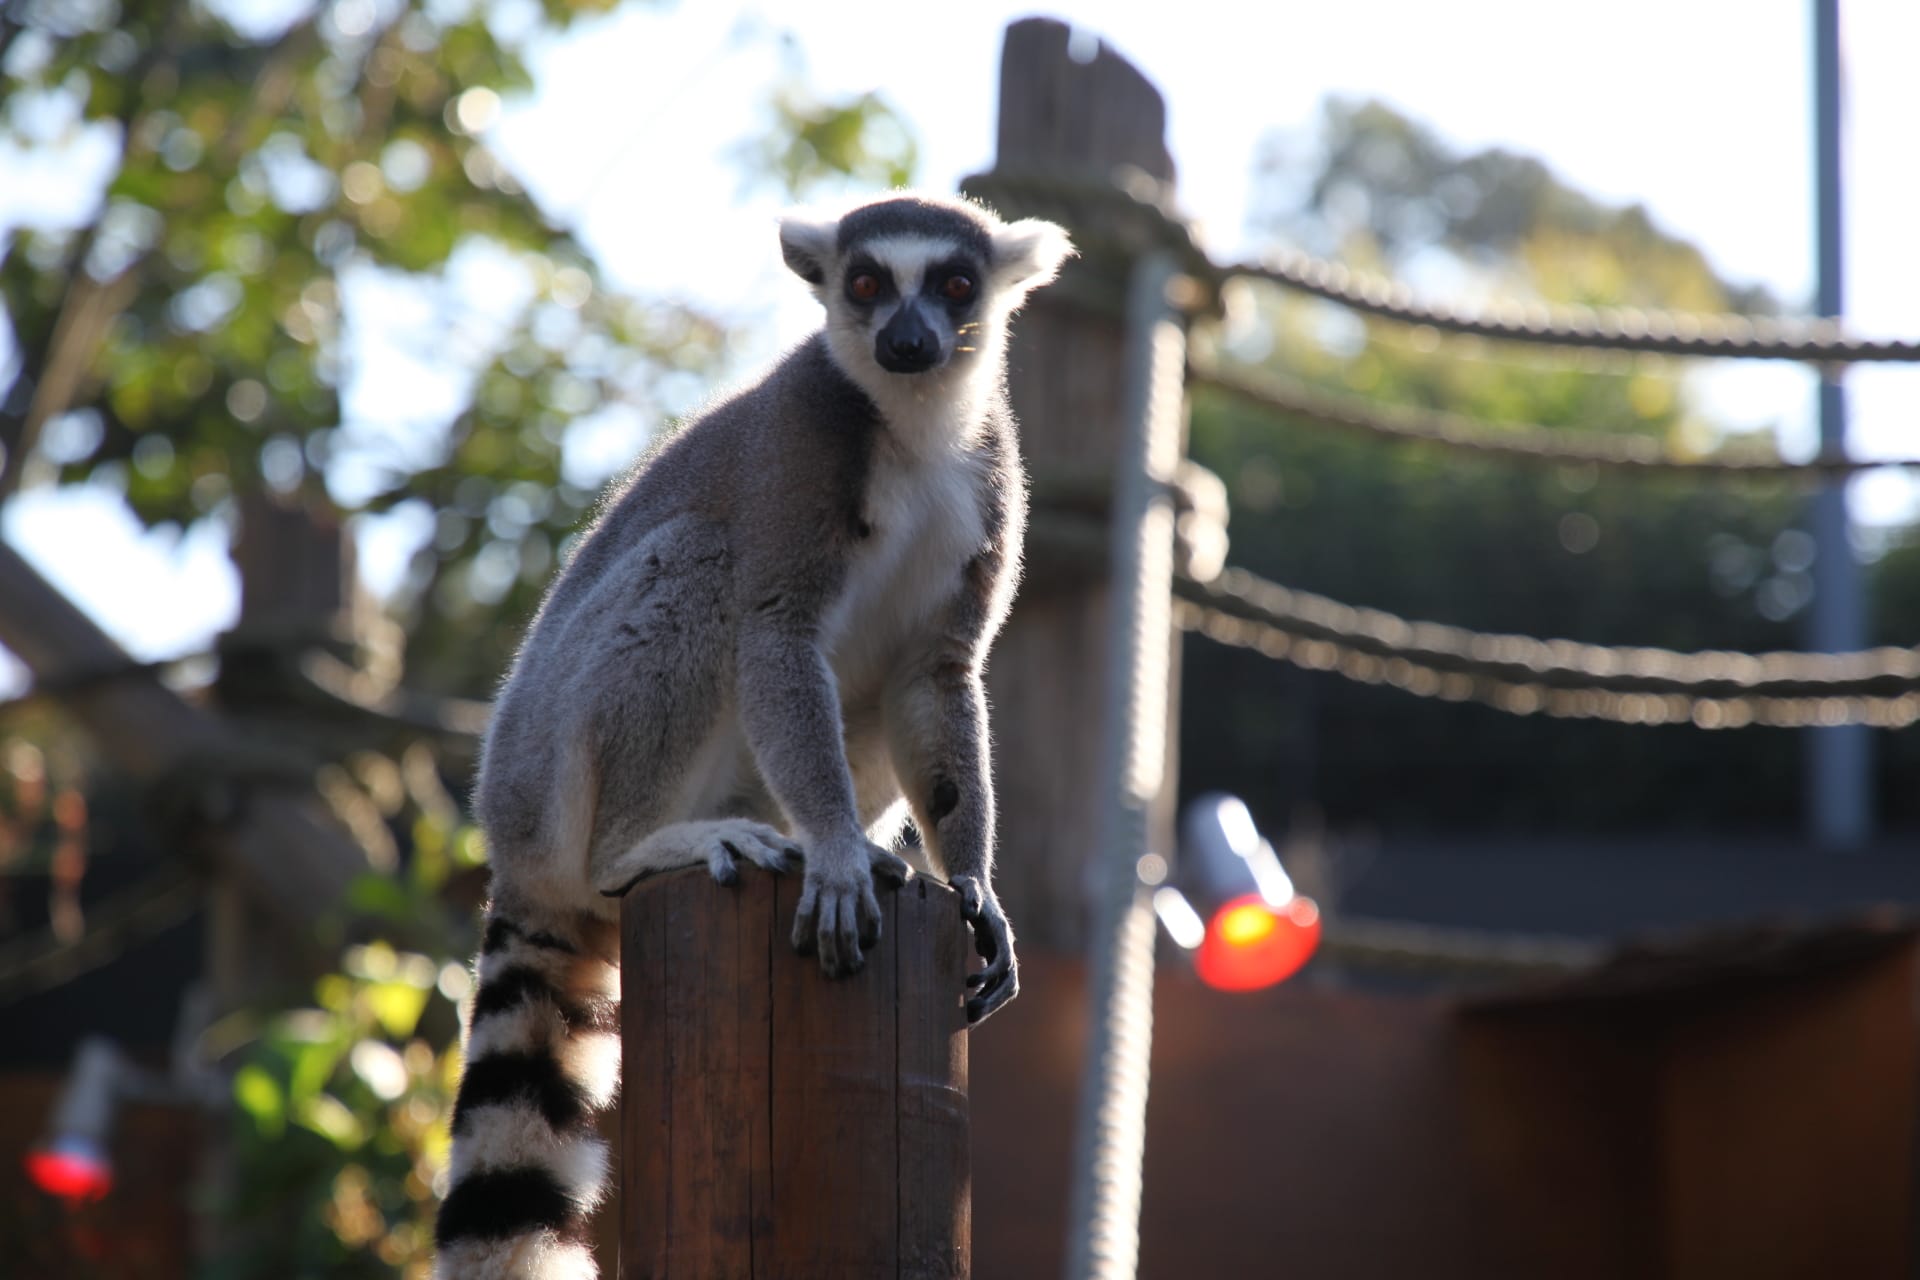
<point>775,1124</point>
<point>1069,128</point>
<point>296,577</point>
<point>296,568</point>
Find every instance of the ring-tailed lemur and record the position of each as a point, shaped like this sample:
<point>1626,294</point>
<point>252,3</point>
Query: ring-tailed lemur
<point>768,648</point>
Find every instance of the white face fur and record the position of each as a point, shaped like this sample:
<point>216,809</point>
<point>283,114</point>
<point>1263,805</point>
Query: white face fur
<point>918,299</point>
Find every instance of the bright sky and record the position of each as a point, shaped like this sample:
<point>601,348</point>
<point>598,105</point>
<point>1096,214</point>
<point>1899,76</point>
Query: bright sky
<point>1699,109</point>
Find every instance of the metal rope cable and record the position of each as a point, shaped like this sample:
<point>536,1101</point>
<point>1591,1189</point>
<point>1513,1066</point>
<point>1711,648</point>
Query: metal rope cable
<point>1417,947</point>
<point>1564,446</point>
<point>1524,675</point>
<point>1607,329</point>
<point>1103,1220</point>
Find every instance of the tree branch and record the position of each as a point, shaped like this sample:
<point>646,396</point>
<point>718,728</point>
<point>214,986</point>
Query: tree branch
<point>86,312</point>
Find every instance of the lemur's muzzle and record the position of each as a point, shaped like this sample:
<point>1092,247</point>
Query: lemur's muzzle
<point>907,343</point>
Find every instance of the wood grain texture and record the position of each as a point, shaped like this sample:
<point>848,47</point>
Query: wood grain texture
<point>776,1124</point>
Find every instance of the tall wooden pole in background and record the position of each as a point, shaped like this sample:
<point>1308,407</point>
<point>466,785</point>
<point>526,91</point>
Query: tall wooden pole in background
<point>1068,127</point>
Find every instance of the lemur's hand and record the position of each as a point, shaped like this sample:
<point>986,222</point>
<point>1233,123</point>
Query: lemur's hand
<point>839,914</point>
<point>999,982</point>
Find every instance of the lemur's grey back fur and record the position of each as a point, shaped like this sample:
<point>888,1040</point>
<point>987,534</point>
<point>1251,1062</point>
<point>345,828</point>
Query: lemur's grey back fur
<point>769,647</point>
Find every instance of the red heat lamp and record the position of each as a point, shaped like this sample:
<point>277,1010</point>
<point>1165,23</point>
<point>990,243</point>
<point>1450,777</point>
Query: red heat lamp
<point>73,1163</point>
<point>1252,944</point>
<point>1258,931</point>
<point>73,1169</point>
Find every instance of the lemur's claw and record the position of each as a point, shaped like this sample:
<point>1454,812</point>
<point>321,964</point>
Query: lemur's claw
<point>992,995</point>
<point>999,982</point>
<point>725,870</point>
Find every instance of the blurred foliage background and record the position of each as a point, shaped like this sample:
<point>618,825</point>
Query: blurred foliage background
<point>190,343</point>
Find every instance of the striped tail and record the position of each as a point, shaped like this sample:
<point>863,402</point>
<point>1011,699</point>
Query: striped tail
<point>543,1057</point>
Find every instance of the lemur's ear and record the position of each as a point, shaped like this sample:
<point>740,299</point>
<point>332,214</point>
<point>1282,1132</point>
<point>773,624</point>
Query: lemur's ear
<point>806,242</point>
<point>1028,253</point>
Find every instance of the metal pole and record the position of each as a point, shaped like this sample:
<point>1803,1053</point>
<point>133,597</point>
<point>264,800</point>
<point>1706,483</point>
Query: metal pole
<point>1839,757</point>
<point>1110,1142</point>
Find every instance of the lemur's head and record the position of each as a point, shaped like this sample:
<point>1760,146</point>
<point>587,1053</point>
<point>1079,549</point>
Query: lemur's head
<point>913,284</point>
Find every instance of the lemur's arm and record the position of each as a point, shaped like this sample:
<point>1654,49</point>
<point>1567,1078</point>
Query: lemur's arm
<point>792,718</point>
<point>937,726</point>
<point>790,709</point>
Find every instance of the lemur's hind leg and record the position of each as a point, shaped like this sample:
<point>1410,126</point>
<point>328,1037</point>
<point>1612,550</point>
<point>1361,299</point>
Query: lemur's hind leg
<point>659,731</point>
<point>938,729</point>
<point>720,844</point>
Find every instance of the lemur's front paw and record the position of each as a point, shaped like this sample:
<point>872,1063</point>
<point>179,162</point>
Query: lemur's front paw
<point>839,914</point>
<point>999,982</point>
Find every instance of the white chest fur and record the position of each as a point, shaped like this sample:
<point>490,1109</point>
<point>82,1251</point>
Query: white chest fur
<point>926,524</point>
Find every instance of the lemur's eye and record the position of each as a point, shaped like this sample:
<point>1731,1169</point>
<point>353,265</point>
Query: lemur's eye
<point>863,286</point>
<point>957,288</point>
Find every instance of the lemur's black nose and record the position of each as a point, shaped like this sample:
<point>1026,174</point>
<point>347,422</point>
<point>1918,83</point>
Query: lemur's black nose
<point>907,345</point>
<point>910,348</point>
